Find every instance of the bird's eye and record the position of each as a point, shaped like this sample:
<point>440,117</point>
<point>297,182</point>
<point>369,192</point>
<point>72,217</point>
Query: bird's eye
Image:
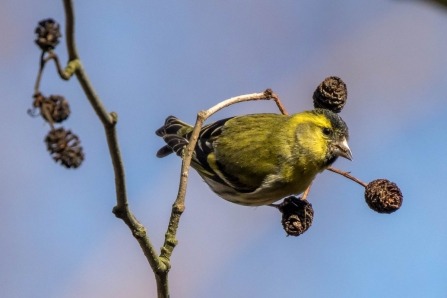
<point>327,131</point>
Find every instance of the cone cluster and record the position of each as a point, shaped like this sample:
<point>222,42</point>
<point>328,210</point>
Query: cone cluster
<point>63,145</point>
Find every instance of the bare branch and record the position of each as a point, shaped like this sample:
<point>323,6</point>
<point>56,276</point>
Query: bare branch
<point>66,73</point>
<point>109,120</point>
<point>347,175</point>
<point>70,29</point>
<point>277,101</point>
<point>39,74</point>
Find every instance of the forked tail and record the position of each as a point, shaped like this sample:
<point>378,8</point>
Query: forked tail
<point>174,133</point>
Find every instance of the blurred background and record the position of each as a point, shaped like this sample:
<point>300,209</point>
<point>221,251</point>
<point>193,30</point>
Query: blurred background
<point>151,59</point>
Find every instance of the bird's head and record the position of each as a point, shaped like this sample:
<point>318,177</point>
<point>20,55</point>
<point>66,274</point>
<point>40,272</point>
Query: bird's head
<point>325,136</point>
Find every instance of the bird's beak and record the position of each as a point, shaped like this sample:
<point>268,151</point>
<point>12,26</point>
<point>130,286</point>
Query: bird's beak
<point>341,148</point>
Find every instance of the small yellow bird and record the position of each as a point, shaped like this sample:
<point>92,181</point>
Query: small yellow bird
<point>258,159</point>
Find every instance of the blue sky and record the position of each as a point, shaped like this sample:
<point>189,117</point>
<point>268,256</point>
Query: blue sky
<point>151,59</point>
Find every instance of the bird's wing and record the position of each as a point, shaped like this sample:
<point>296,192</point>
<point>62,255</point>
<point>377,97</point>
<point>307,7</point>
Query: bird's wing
<point>250,149</point>
<point>203,159</point>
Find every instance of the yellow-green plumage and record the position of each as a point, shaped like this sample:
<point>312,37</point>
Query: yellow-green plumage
<point>258,159</point>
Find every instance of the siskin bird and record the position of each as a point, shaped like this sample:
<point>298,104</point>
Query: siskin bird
<point>258,159</point>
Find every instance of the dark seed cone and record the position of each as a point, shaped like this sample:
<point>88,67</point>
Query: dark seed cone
<point>331,94</point>
<point>297,215</point>
<point>64,147</point>
<point>53,109</point>
<point>383,196</point>
<point>47,34</point>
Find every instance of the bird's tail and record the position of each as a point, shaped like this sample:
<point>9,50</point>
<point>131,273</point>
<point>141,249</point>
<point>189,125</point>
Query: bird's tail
<point>174,132</point>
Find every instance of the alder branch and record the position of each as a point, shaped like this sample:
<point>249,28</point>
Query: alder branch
<point>109,120</point>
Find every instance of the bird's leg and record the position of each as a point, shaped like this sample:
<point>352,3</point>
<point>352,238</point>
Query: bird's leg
<point>306,192</point>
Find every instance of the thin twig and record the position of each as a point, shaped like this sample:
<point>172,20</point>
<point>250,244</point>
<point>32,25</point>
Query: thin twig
<point>279,104</point>
<point>39,74</point>
<point>46,113</point>
<point>347,175</point>
<point>64,74</point>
